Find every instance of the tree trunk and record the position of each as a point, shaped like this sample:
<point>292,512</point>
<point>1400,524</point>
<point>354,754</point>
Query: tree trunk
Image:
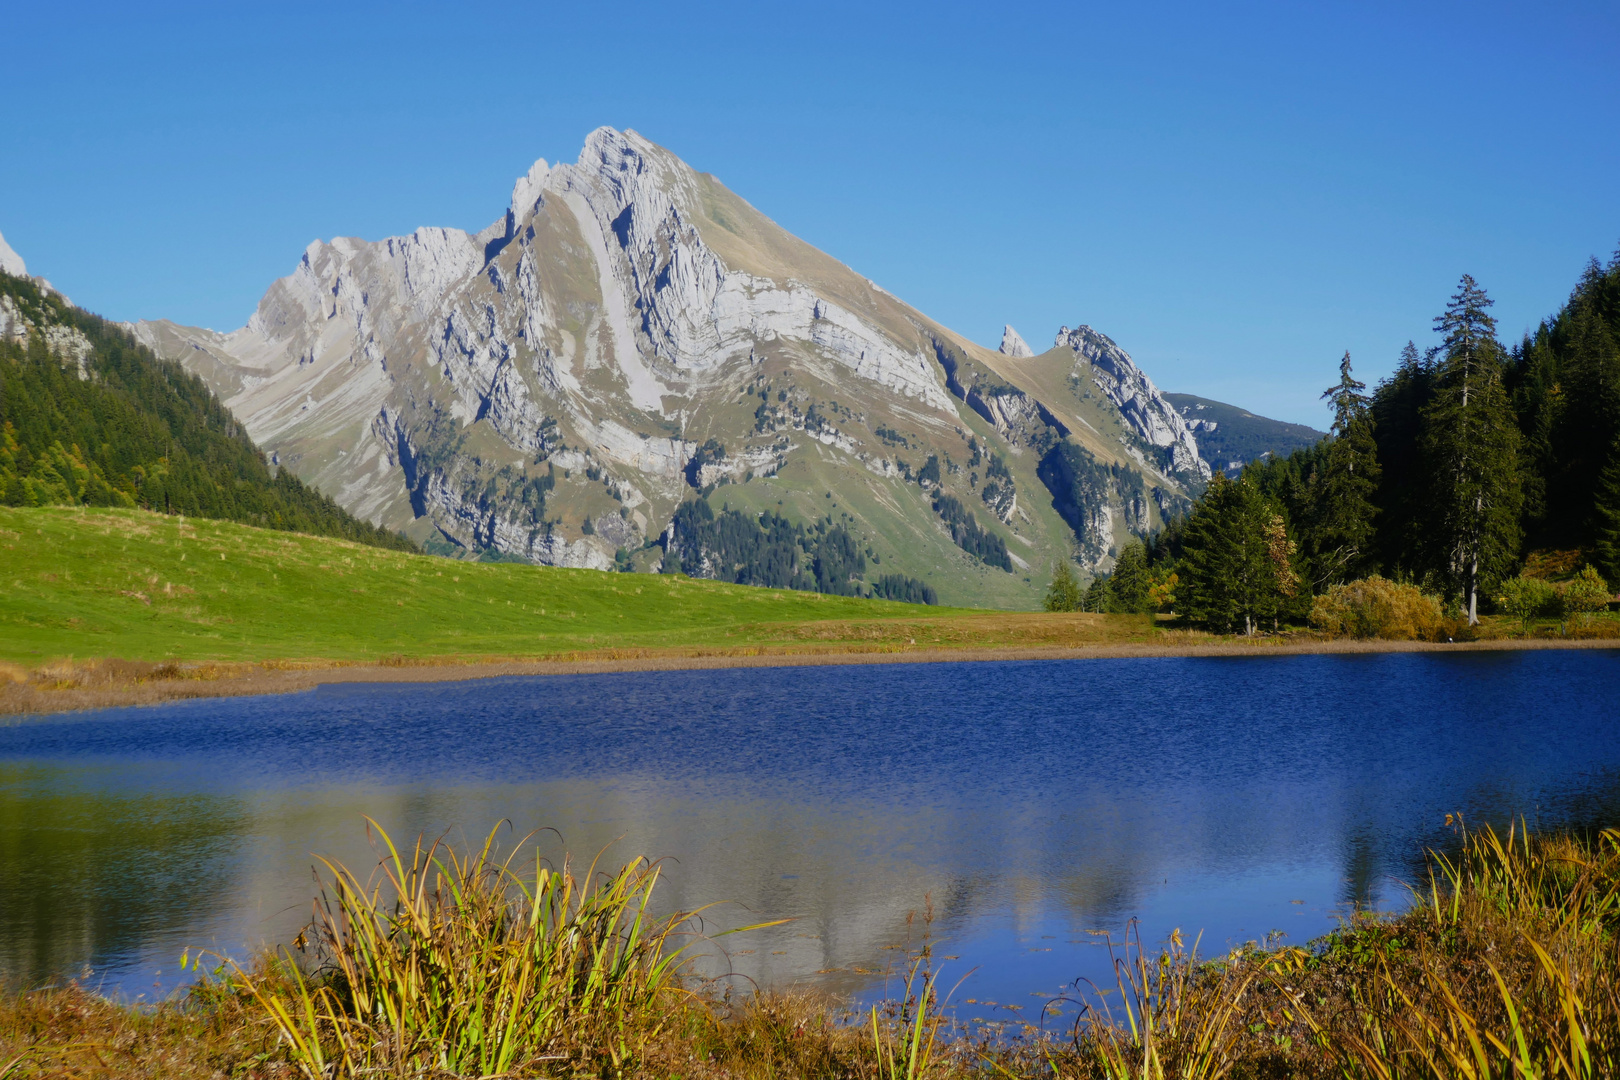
<point>1473,591</point>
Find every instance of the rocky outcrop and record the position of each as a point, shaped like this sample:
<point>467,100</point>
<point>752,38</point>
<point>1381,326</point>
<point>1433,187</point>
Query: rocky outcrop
<point>1153,419</point>
<point>11,262</point>
<point>66,343</point>
<point>690,310</point>
<point>1013,345</point>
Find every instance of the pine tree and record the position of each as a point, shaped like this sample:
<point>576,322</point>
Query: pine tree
<point>1340,527</point>
<point>1471,449</point>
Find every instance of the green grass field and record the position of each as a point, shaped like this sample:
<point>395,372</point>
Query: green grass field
<point>91,584</point>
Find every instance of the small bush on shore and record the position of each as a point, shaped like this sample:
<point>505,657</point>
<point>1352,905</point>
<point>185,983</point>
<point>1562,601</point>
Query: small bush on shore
<point>1375,607</point>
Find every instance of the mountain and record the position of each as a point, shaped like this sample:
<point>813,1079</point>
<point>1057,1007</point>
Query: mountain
<point>1229,437</point>
<point>11,262</point>
<point>628,336</point>
<point>89,417</point>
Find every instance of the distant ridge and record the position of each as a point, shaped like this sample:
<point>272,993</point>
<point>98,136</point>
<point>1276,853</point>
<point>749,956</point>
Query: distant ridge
<point>1230,437</point>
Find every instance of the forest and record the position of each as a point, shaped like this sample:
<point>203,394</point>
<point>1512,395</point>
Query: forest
<point>122,428</point>
<point>774,552</point>
<point>1477,478</point>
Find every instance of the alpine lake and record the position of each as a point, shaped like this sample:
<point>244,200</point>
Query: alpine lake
<point>1016,816</point>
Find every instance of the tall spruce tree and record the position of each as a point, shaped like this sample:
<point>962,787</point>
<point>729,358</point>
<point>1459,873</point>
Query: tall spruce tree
<point>1471,449</point>
<point>1339,534</point>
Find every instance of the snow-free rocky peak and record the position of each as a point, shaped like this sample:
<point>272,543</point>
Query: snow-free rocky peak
<point>628,334</point>
<point>10,262</point>
<point>1013,345</point>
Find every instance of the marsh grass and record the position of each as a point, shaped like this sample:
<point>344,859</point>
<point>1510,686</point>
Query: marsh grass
<point>459,964</point>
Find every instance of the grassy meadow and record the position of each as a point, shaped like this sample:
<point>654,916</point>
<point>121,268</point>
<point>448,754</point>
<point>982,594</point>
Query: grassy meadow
<point>85,584</point>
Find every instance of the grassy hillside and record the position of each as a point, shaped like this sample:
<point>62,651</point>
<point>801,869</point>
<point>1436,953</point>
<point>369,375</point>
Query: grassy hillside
<point>89,417</point>
<point>135,585</point>
<point>1240,436</point>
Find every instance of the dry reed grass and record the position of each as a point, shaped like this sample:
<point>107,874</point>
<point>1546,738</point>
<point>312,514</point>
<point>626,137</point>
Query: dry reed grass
<point>1505,966</point>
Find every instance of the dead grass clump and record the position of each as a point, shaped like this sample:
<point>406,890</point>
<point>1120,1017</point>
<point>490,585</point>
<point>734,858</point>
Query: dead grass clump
<point>66,1031</point>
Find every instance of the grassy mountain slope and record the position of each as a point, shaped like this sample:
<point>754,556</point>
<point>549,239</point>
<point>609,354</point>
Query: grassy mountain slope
<point>1238,436</point>
<point>89,417</point>
<point>140,586</point>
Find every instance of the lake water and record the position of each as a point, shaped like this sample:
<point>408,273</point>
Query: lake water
<point>1030,803</point>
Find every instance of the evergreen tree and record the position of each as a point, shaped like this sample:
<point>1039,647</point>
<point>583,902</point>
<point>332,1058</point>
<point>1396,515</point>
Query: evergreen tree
<point>1234,570</point>
<point>1606,515</point>
<point>1397,423</point>
<point>1340,521</point>
<point>1471,449</point>
<point>1064,595</point>
<point>1129,582</point>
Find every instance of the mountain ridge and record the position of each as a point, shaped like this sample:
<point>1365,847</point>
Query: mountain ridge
<point>632,319</point>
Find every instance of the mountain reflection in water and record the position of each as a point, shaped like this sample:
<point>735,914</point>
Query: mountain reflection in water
<point>1030,802</point>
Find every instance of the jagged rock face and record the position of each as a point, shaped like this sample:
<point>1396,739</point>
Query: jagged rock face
<point>1013,345</point>
<point>627,331</point>
<point>11,262</point>
<point>1153,418</point>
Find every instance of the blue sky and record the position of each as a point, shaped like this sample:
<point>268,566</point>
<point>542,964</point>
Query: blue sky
<point>1236,193</point>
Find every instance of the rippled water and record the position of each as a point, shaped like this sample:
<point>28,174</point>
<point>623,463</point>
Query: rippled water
<point>1030,803</point>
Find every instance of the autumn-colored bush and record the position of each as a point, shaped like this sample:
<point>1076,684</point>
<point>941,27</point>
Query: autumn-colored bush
<point>1376,607</point>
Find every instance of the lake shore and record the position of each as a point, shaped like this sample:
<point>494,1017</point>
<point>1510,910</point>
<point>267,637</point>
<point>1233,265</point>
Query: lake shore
<point>101,684</point>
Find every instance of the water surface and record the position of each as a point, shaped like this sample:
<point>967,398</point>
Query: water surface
<point>1029,803</point>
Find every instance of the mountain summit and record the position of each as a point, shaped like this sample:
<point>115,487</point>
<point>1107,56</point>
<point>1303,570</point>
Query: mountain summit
<point>629,336</point>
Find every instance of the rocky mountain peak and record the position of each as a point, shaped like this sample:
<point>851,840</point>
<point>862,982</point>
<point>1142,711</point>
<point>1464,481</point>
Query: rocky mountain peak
<point>1013,344</point>
<point>527,191</point>
<point>11,262</point>
<point>630,334</point>
<point>1141,404</point>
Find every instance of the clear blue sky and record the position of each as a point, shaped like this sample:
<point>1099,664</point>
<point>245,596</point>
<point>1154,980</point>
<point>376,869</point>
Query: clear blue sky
<point>1235,193</point>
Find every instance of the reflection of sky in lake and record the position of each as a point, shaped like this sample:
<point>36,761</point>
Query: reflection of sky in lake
<point>1032,802</point>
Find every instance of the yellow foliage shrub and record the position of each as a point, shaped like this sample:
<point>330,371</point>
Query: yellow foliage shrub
<point>1376,607</point>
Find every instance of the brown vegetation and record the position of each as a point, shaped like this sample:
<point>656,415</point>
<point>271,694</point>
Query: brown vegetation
<point>1504,966</point>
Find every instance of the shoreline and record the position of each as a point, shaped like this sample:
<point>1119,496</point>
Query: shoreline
<point>119,684</point>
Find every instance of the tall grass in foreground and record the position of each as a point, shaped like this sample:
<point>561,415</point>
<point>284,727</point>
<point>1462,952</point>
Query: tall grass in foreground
<point>1511,969</point>
<point>459,964</point>
<point>1507,965</point>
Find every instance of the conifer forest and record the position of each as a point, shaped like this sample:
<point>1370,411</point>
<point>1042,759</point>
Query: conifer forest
<point>1478,477</point>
